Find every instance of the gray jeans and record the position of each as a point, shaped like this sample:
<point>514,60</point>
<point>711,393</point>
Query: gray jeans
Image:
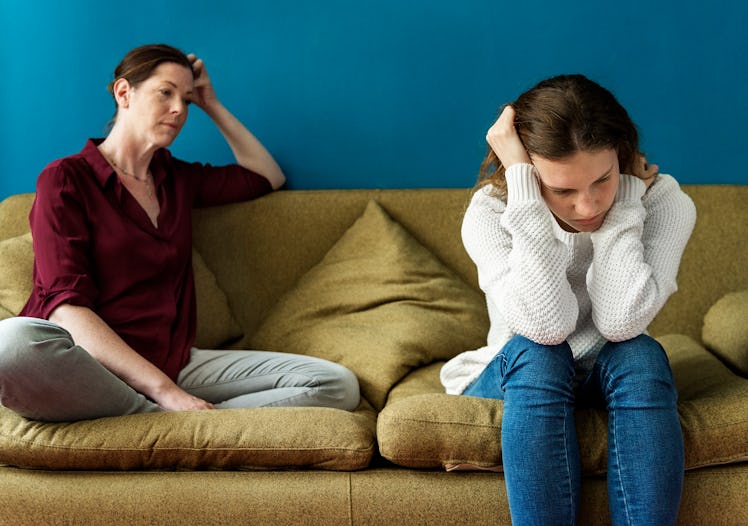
<point>45,376</point>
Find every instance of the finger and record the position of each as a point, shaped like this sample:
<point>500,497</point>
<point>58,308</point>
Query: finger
<point>506,119</point>
<point>203,404</point>
<point>504,124</point>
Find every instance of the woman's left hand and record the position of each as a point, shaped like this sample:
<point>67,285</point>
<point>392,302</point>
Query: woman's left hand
<point>645,171</point>
<point>202,92</point>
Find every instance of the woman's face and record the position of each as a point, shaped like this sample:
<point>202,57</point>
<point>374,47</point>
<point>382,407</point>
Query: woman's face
<point>158,106</point>
<point>579,190</point>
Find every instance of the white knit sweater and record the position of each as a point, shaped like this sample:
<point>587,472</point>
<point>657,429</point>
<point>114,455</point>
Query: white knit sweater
<point>551,286</point>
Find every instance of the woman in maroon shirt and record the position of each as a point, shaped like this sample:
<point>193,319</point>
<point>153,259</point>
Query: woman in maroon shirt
<point>113,305</point>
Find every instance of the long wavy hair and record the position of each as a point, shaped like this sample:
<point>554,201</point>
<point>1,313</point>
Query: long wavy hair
<point>561,116</point>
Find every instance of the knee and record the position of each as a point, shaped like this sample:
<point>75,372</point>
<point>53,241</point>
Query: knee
<point>529,364</point>
<point>642,355</point>
<point>339,388</point>
<point>638,368</point>
<point>20,335</point>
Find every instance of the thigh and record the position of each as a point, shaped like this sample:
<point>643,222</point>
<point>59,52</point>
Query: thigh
<point>45,376</point>
<point>218,375</point>
<point>524,363</point>
<point>489,382</point>
<point>633,371</point>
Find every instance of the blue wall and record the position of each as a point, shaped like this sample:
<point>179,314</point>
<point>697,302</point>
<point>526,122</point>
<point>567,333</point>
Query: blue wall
<point>388,93</point>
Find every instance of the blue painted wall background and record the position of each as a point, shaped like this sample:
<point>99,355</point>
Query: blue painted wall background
<point>388,93</point>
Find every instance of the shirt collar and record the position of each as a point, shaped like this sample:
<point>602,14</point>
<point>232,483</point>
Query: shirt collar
<point>103,170</point>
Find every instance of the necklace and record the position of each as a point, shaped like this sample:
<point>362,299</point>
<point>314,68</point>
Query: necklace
<point>148,181</point>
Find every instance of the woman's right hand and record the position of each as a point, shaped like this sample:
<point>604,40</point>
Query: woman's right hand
<point>174,398</point>
<point>505,142</point>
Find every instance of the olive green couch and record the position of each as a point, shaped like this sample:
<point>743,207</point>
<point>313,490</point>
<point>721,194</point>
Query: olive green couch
<point>377,280</point>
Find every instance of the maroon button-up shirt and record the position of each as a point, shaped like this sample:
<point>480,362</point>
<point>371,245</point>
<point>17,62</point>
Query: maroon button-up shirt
<point>94,246</point>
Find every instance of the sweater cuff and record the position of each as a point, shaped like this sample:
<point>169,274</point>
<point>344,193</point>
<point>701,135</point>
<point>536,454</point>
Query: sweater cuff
<point>522,183</point>
<point>630,188</point>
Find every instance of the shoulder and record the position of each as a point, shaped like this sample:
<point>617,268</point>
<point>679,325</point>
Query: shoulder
<point>482,221</point>
<point>62,174</point>
<point>84,167</point>
<point>484,211</point>
<point>665,192</point>
<point>485,200</point>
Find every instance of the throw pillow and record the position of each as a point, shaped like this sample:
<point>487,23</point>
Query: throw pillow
<point>215,323</point>
<point>725,330</point>
<point>379,303</point>
<point>16,267</point>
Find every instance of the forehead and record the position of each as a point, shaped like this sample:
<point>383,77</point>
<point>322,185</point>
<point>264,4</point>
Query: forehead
<point>578,169</point>
<point>173,73</point>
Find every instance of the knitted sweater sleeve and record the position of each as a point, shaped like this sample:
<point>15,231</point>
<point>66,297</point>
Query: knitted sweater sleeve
<point>636,255</point>
<point>521,264</point>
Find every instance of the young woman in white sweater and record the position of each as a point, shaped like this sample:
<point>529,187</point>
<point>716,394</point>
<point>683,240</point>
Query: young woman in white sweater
<point>577,242</point>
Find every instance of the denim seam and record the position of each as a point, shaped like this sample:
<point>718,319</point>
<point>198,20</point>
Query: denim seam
<point>613,442</point>
<point>570,488</point>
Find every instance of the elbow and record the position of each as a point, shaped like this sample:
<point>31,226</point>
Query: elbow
<point>621,327</point>
<point>550,326</point>
<point>546,334</point>
<point>61,314</point>
<point>277,179</point>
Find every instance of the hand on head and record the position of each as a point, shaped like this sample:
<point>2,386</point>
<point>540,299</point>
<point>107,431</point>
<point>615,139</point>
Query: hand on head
<point>202,92</point>
<point>645,171</point>
<point>504,140</point>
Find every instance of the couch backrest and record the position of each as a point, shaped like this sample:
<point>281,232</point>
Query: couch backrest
<point>259,249</point>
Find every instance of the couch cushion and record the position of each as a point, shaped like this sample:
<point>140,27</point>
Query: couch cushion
<point>725,330</point>
<point>424,428</point>
<point>261,438</point>
<point>379,303</point>
<point>215,323</point>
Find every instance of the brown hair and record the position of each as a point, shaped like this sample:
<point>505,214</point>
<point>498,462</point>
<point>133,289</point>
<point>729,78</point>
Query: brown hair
<point>561,116</point>
<point>139,64</point>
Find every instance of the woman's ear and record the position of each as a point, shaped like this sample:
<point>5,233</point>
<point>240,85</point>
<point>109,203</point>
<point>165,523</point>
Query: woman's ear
<point>121,92</point>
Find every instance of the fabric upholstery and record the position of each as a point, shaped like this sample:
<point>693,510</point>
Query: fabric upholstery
<point>258,251</point>
<point>725,330</point>
<point>390,496</point>
<point>379,303</point>
<point>16,265</point>
<point>713,263</point>
<point>263,438</point>
<point>215,323</point>
<point>424,428</point>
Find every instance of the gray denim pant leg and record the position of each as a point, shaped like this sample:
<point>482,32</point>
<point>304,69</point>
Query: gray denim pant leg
<point>45,376</point>
<point>232,379</point>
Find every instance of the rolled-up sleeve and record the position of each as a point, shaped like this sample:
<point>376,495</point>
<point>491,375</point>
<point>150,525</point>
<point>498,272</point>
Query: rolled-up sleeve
<point>62,268</point>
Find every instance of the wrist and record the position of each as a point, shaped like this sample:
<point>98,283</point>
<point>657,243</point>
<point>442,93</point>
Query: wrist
<point>160,388</point>
<point>211,106</point>
<point>522,183</point>
<point>630,188</point>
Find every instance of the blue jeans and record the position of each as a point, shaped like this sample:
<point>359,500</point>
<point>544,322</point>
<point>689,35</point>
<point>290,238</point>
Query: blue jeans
<point>632,380</point>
